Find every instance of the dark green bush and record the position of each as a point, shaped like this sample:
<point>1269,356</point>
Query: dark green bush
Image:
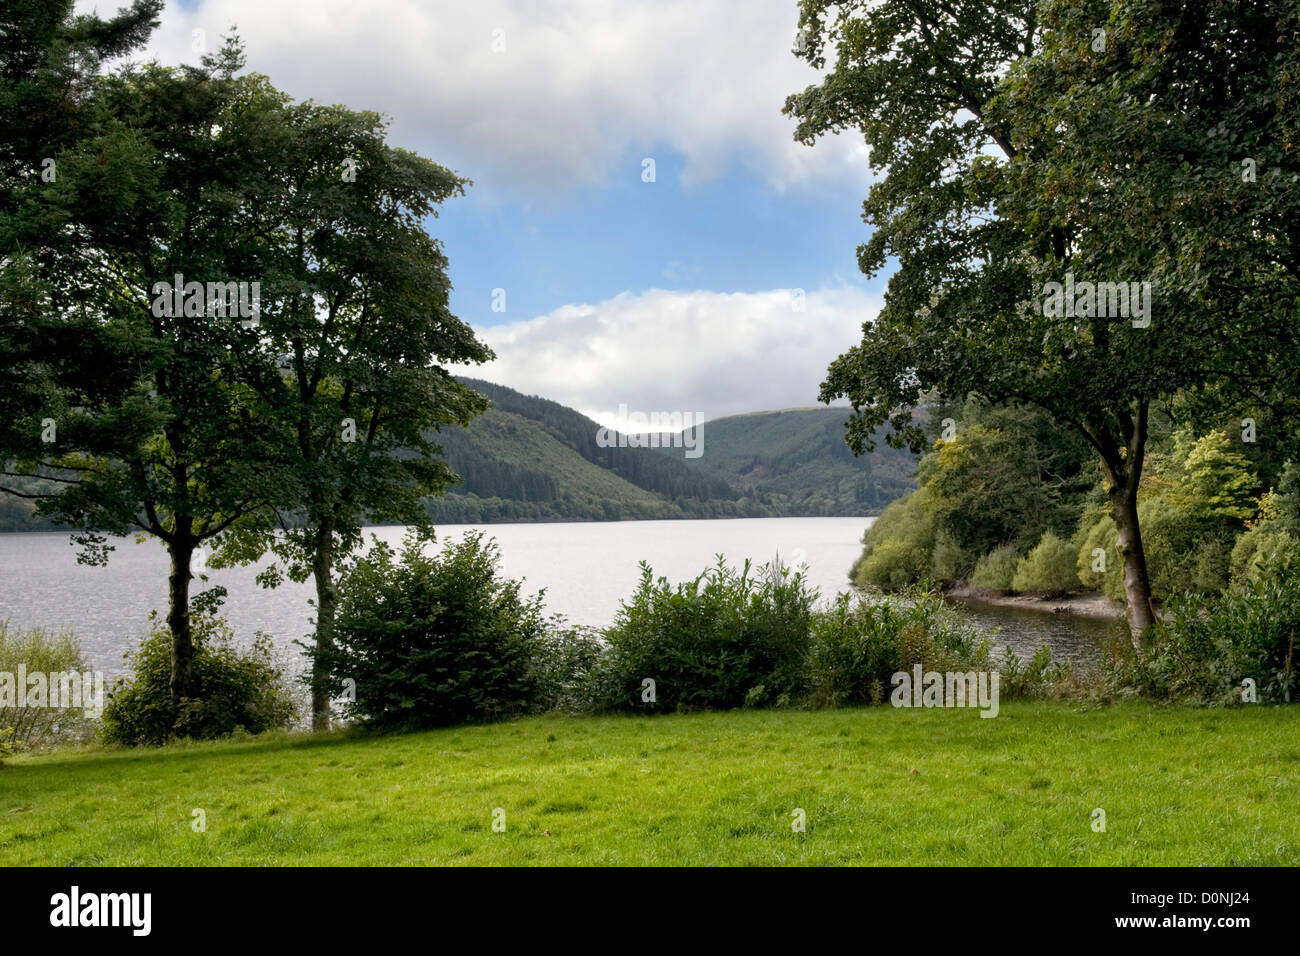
<point>236,690</point>
<point>434,639</point>
<point>1207,647</point>
<point>726,639</point>
<point>570,669</point>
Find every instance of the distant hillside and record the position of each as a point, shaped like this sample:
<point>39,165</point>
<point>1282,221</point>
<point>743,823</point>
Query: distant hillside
<point>797,461</point>
<point>530,458</point>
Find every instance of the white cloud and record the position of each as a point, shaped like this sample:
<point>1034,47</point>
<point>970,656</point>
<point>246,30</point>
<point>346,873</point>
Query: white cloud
<point>658,351</point>
<point>581,85</point>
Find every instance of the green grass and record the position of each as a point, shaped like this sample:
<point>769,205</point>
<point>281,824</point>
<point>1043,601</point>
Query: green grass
<point>1179,786</point>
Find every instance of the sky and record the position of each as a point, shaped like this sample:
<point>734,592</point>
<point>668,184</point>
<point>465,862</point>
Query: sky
<point>724,283</point>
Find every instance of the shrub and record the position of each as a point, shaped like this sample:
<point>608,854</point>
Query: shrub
<point>570,669</point>
<point>1040,675</point>
<point>897,548</point>
<point>1259,551</point>
<point>712,641</point>
<point>1049,567</point>
<point>39,728</point>
<point>235,690</point>
<point>949,561</point>
<point>995,570</point>
<point>1207,646</point>
<point>434,639</point>
<point>858,645</point>
<point>1269,542</point>
<point>1098,531</point>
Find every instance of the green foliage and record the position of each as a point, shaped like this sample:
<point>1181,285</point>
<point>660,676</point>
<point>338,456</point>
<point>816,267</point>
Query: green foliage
<point>1006,476</point>
<point>949,561</point>
<point>710,642</point>
<point>985,489</point>
<point>38,728</point>
<point>858,645</point>
<point>1049,567</point>
<point>897,548</point>
<point>1260,550</point>
<point>571,670</point>
<point>1208,646</point>
<point>996,570</point>
<point>1273,536</point>
<point>996,133</point>
<point>234,690</point>
<point>1219,480</point>
<point>433,639</point>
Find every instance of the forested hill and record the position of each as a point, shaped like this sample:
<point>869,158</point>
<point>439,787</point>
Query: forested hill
<point>797,460</point>
<point>530,458</point>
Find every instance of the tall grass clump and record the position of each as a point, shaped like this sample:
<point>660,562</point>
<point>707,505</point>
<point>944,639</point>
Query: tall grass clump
<point>857,645</point>
<point>38,728</point>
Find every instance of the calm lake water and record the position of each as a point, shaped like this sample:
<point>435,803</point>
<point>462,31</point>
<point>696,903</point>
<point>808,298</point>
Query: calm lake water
<point>586,569</point>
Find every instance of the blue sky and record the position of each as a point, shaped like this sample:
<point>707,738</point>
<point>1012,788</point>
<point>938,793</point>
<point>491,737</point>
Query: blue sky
<point>733,233</point>
<point>676,295</point>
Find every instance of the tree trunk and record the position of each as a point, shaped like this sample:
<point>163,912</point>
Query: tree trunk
<point>1137,582</point>
<point>323,573</point>
<point>181,550</point>
<point>1122,467</point>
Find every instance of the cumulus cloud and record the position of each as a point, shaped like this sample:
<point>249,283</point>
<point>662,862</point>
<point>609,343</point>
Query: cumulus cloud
<point>659,351</point>
<point>572,89</point>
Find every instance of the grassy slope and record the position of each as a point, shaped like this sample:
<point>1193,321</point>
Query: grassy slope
<point>1179,786</point>
<point>505,436</point>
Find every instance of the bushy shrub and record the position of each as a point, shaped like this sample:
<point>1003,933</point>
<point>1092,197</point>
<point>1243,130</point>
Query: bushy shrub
<point>570,669</point>
<point>1270,541</point>
<point>897,548</point>
<point>1097,530</point>
<point>995,570</point>
<point>433,639</point>
<point>235,690</point>
<point>1207,646</point>
<point>710,642</point>
<point>949,561</point>
<point>1259,551</point>
<point>858,645</point>
<point>1049,567</point>
<point>39,728</point>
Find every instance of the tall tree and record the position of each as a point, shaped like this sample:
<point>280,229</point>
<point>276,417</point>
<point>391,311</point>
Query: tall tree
<point>1001,130</point>
<point>357,305</point>
<point>168,441</point>
<point>49,63</point>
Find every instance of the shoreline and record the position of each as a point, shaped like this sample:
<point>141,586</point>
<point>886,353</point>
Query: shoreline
<point>1090,604</point>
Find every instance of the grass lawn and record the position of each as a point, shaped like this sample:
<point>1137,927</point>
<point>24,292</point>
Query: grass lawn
<point>878,785</point>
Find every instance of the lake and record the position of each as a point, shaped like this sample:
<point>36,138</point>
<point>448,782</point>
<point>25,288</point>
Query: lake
<point>586,569</point>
